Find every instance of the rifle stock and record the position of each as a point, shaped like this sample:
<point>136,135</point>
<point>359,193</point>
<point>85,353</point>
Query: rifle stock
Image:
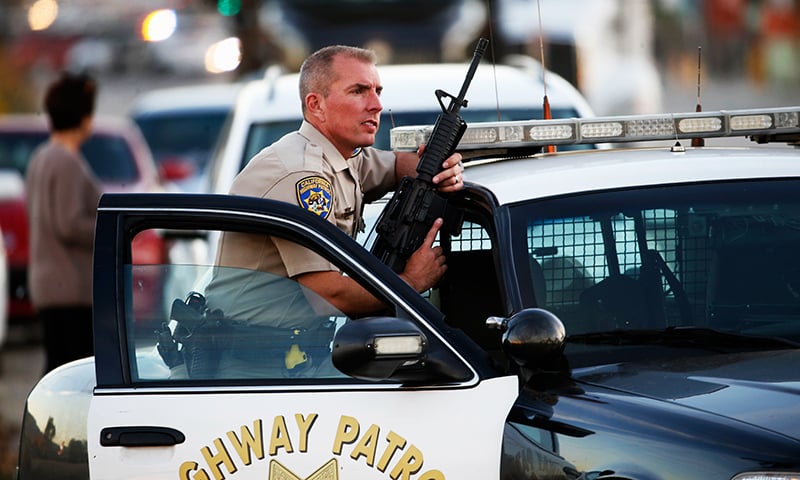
<point>416,204</point>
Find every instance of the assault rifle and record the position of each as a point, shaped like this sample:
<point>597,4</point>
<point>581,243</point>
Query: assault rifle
<point>416,204</point>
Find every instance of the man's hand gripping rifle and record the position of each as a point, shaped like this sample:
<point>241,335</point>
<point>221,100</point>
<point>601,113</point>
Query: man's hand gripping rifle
<point>416,204</point>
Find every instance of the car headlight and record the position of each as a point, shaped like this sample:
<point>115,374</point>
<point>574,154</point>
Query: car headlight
<point>767,476</point>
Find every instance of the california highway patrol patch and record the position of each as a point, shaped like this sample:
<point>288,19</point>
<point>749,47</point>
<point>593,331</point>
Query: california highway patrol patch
<point>315,194</point>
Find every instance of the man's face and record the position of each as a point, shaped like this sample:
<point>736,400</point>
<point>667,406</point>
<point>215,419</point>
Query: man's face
<point>350,114</point>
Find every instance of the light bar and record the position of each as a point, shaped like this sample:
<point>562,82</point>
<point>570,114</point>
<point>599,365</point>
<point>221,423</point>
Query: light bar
<point>632,128</point>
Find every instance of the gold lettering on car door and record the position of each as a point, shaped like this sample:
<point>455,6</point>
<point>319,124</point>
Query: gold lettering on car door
<point>329,471</point>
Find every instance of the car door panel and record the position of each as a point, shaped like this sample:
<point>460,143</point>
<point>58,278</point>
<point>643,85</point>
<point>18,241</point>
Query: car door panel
<point>153,420</point>
<point>419,434</point>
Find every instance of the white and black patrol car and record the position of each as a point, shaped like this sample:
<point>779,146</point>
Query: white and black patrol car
<point>627,313</point>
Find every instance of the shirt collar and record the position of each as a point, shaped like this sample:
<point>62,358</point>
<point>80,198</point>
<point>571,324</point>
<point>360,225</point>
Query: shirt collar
<point>331,154</point>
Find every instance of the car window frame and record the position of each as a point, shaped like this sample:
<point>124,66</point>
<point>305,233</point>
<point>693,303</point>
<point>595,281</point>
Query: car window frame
<point>122,216</point>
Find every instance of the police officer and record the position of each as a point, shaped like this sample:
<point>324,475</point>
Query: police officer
<point>329,167</point>
<point>279,298</point>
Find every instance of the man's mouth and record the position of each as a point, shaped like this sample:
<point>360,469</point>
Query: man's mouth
<point>371,124</point>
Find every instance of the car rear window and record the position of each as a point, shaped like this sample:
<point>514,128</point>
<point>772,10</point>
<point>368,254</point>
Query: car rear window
<point>110,158</point>
<point>16,149</point>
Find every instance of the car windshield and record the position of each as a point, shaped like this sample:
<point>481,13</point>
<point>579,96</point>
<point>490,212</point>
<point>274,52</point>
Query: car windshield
<point>694,258</point>
<point>263,134</point>
<point>191,136</point>
<point>109,156</point>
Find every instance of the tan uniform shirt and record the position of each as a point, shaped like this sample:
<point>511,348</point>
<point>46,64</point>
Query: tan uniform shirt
<point>304,169</point>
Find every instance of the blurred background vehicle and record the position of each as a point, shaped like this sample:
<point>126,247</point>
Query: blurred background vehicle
<point>14,223</point>
<point>116,151</point>
<point>181,125</point>
<point>117,154</point>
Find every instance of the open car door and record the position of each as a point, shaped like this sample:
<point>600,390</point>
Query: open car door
<point>244,374</point>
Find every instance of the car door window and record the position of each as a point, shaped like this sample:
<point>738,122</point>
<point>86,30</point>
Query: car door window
<point>617,256</point>
<point>199,321</point>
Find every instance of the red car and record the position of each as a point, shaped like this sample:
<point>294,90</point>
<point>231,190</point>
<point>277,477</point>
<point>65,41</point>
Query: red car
<point>119,157</point>
<point>14,224</point>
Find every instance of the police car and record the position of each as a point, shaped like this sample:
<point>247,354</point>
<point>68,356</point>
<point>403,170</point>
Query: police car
<point>626,313</point>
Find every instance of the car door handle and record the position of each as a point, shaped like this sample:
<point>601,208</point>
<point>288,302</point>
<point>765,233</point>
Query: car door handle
<point>141,436</point>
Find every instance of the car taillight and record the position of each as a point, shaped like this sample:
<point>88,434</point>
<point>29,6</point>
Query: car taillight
<point>14,223</point>
<point>148,248</point>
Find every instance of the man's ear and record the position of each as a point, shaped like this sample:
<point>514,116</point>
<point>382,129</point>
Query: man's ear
<point>315,106</point>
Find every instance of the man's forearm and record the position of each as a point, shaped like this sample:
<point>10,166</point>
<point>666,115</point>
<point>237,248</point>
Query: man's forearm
<point>344,293</point>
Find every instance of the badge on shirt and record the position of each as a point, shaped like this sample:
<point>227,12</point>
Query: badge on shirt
<point>315,194</point>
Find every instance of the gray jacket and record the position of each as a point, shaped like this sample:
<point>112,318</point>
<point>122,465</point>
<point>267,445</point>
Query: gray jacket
<point>62,195</point>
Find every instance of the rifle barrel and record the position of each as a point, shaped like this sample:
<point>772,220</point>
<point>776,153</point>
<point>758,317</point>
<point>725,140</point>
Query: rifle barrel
<point>476,58</point>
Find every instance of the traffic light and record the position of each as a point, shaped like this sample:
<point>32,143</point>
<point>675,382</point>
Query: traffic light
<point>229,8</point>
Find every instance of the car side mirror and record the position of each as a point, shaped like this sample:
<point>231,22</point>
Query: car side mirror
<point>377,348</point>
<point>530,336</point>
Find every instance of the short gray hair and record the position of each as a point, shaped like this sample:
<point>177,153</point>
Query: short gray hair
<point>316,72</point>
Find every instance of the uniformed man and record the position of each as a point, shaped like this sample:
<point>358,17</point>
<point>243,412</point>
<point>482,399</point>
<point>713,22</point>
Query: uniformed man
<point>329,168</point>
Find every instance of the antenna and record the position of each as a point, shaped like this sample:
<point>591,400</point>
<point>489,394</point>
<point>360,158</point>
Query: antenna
<point>545,103</point>
<point>698,142</point>
<point>677,148</point>
<point>541,54</point>
<point>698,108</point>
<point>494,63</point>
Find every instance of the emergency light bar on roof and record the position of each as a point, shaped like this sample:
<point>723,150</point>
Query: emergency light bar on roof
<point>632,128</point>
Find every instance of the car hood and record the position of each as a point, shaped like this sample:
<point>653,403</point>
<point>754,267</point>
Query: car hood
<point>761,389</point>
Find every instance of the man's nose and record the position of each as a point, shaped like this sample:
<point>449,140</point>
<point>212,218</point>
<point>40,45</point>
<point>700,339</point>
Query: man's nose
<point>375,102</point>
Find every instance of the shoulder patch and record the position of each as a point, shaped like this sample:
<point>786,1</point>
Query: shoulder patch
<point>315,194</point>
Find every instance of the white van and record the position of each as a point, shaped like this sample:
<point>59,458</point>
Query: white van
<point>268,108</point>
<point>181,126</point>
